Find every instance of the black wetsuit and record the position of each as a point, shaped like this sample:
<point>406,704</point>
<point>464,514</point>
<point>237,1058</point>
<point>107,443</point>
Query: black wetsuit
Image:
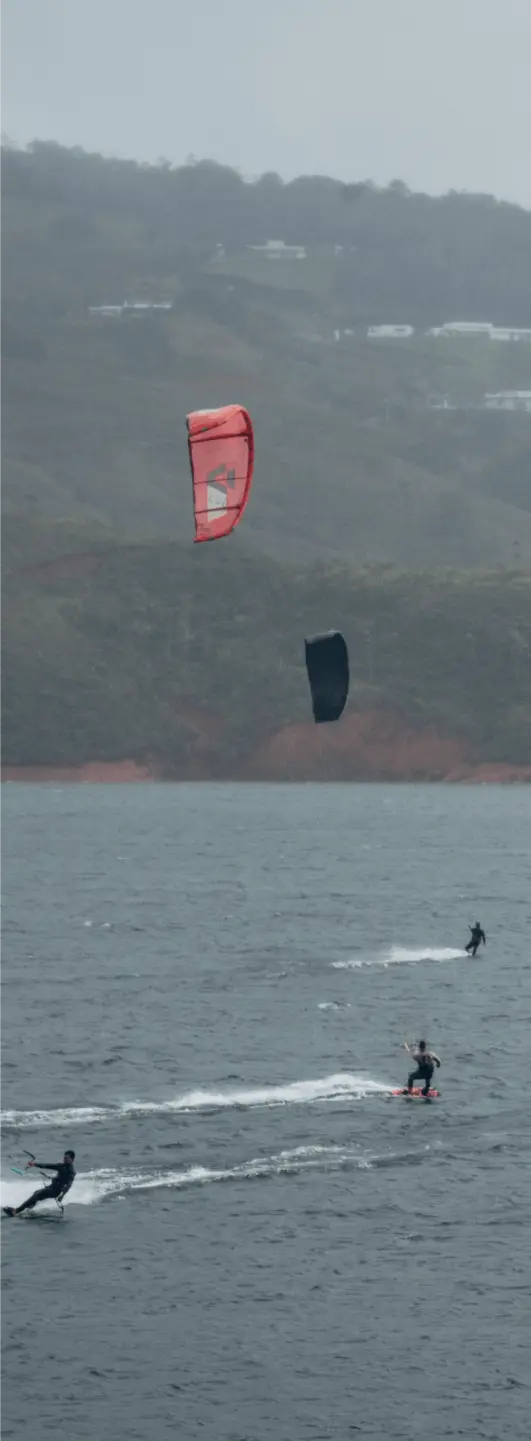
<point>424,1072</point>
<point>476,937</point>
<point>57,1188</point>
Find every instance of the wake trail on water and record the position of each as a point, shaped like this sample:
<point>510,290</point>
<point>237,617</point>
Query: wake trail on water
<point>93,1187</point>
<point>401,956</point>
<point>341,1087</point>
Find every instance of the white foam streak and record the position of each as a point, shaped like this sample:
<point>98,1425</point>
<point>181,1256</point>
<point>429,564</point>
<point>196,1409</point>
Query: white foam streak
<point>334,1006</point>
<point>297,1093</point>
<point>64,1116</point>
<point>401,956</point>
<point>95,1186</point>
<point>343,1086</point>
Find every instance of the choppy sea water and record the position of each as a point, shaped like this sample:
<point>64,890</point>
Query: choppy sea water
<point>205,993</point>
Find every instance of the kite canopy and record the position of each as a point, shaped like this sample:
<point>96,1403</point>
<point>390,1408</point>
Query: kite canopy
<point>221,446</point>
<point>328,674</point>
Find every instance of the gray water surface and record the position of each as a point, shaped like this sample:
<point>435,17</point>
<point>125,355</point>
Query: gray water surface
<point>205,993</point>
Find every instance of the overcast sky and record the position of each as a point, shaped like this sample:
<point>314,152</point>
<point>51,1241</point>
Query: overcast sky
<point>433,92</point>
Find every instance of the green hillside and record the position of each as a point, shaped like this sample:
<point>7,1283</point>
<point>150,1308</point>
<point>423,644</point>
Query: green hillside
<point>351,461</point>
<point>386,501</point>
<point>149,651</point>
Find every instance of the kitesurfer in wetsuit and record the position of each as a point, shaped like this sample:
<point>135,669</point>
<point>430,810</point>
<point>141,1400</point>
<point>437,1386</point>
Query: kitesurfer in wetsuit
<point>476,937</point>
<point>57,1188</point>
<point>426,1061</point>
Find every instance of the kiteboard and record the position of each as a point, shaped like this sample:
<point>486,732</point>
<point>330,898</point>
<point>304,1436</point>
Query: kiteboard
<point>415,1094</point>
<point>40,1216</point>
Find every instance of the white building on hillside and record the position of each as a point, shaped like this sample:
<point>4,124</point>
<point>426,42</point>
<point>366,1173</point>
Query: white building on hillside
<point>106,311</point>
<point>142,307</point>
<point>466,327</point>
<point>508,400</point>
<point>388,332</point>
<point>278,250</point>
<point>131,307</point>
<point>510,332</point>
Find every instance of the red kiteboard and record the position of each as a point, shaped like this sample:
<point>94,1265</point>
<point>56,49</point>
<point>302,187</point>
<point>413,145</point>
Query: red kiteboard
<point>415,1094</point>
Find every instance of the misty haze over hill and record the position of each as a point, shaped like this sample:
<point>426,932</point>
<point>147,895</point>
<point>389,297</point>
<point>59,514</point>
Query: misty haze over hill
<point>439,95</point>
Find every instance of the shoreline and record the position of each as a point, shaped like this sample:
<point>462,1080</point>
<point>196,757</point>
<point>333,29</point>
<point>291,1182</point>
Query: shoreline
<point>128,772</point>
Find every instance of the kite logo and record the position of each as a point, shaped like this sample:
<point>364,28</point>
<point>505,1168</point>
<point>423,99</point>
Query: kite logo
<point>217,500</point>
